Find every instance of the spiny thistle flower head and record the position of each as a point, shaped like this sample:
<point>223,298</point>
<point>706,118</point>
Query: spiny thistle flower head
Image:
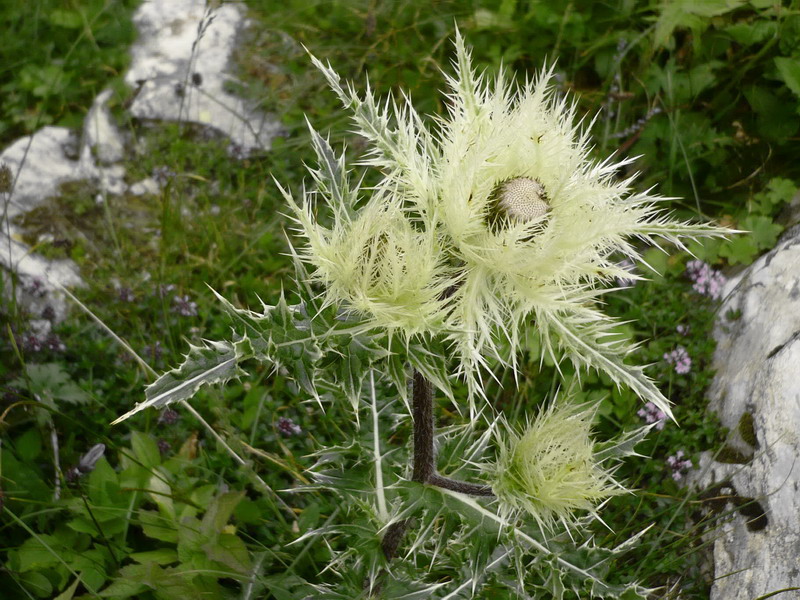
<point>550,469</point>
<point>491,220</point>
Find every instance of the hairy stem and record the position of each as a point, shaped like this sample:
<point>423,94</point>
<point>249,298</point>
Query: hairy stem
<point>424,455</point>
<point>464,487</point>
<point>424,468</point>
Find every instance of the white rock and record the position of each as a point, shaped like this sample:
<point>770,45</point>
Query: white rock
<point>41,163</point>
<point>145,186</point>
<point>101,138</point>
<point>179,64</point>
<point>757,365</point>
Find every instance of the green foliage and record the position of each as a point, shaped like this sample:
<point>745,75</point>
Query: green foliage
<point>59,57</point>
<point>723,76</point>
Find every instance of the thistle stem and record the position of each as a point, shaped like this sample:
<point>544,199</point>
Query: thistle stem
<point>424,468</point>
<point>464,487</point>
<point>424,454</point>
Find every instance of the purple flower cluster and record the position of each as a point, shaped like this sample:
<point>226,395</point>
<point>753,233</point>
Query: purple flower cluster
<point>168,417</point>
<point>126,294</point>
<point>652,414</point>
<point>680,359</point>
<point>679,465</point>
<point>184,306</point>
<point>31,342</point>
<point>288,428</point>
<point>705,280</point>
<point>162,291</point>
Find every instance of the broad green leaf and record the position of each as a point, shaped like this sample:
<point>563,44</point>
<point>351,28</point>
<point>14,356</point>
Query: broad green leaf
<point>69,19</point>
<point>158,527</point>
<point>750,33</point>
<point>219,512</point>
<point>740,250</point>
<point>161,493</point>
<point>162,556</point>
<point>68,593</point>
<point>229,550</point>
<point>37,583</point>
<point>145,449</point>
<point>763,231</point>
<point>35,553</point>
<point>789,71</point>
<point>29,444</point>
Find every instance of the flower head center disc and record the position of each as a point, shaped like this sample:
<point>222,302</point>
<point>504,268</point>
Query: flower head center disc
<point>522,199</point>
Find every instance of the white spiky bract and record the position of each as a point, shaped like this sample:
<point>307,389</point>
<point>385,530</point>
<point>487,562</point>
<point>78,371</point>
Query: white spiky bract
<point>419,255</point>
<point>551,469</point>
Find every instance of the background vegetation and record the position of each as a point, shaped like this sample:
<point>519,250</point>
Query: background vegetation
<point>706,92</point>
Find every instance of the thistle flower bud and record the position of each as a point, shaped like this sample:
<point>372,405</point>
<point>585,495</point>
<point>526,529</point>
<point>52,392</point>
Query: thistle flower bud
<point>550,470</point>
<point>522,199</point>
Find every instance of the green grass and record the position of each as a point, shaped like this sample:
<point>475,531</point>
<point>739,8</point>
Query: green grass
<point>721,141</point>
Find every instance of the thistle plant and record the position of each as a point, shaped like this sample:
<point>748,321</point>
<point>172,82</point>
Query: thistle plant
<point>487,224</point>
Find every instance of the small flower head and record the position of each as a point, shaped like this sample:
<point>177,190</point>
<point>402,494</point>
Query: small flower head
<point>184,306</point>
<point>550,470</point>
<point>288,428</point>
<point>679,359</point>
<point>679,465</point>
<point>652,414</point>
<point>706,281</point>
<point>522,199</point>
<point>168,417</point>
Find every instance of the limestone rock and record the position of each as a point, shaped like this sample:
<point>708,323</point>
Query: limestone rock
<point>757,365</point>
<point>179,68</point>
<point>101,138</point>
<point>39,164</point>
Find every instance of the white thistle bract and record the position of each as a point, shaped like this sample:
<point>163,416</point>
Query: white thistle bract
<point>550,470</point>
<point>492,220</point>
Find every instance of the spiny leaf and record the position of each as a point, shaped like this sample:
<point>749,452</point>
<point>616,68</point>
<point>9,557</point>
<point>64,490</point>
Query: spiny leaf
<point>215,362</point>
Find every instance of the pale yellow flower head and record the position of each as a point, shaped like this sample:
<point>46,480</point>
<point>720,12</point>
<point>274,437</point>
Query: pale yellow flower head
<point>489,221</point>
<point>550,469</point>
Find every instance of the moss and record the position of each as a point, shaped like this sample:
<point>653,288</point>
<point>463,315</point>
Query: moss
<point>747,429</point>
<point>731,456</point>
<point>753,511</point>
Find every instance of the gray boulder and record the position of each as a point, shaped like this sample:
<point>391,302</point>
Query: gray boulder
<point>756,394</point>
<point>180,70</point>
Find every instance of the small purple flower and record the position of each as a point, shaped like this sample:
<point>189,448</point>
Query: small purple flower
<point>162,291</point>
<point>30,343</point>
<point>706,280</point>
<point>36,288</point>
<point>626,282</point>
<point>162,175</point>
<point>163,446</point>
<point>184,306</point>
<point>682,329</point>
<point>54,343</point>
<point>288,428</point>
<point>126,294</point>
<point>168,417</point>
<point>679,358</point>
<point>154,351</point>
<point>679,465</point>
<point>49,313</point>
<point>652,414</point>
